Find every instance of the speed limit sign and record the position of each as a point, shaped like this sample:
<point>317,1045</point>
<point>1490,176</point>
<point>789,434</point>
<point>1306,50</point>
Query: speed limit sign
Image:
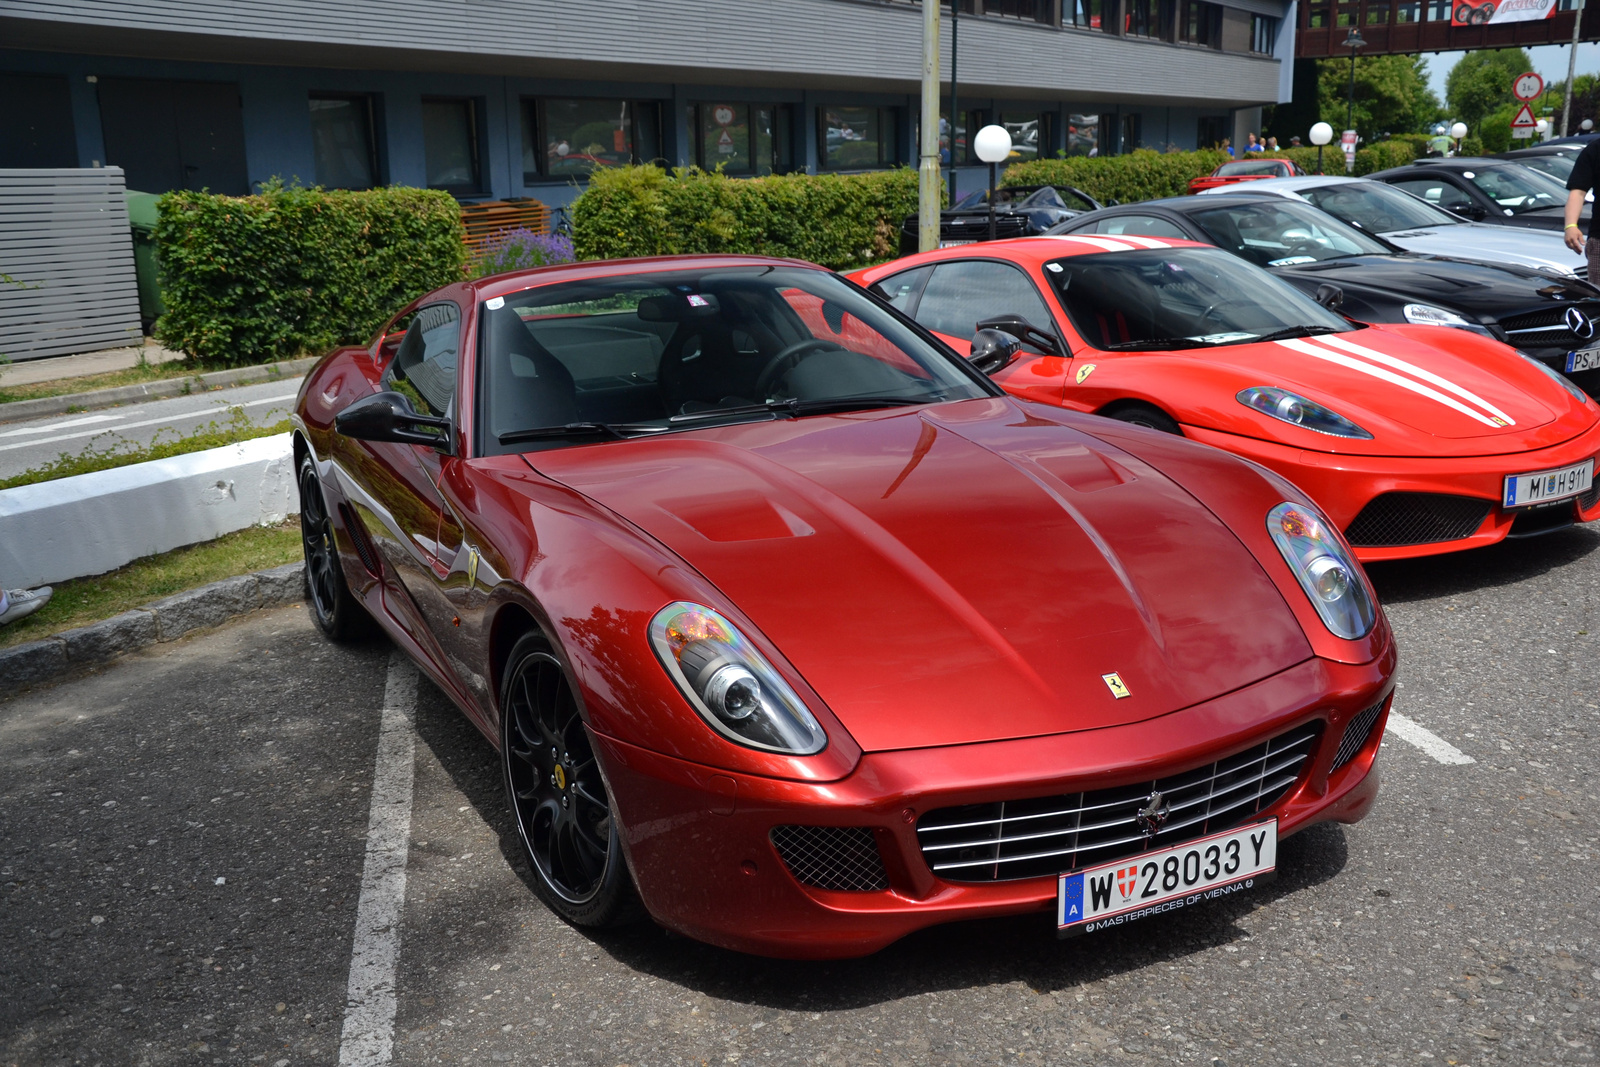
<point>1527,86</point>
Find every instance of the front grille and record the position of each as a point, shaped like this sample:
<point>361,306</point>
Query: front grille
<point>976,227</point>
<point>831,857</point>
<point>1546,327</point>
<point>1589,497</point>
<point>1047,835</point>
<point>1531,522</point>
<point>1416,519</point>
<point>1356,735</point>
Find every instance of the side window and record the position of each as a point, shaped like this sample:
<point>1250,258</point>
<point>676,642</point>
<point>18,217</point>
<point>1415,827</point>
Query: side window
<point>902,289</point>
<point>424,368</point>
<point>1436,192</point>
<point>1139,226</point>
<point>960,295</point>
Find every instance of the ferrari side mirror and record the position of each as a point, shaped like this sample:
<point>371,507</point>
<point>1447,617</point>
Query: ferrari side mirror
<point>1330,296</point>
<point>993,350</point>
<point>1019,327</point>
<point>389,416</point>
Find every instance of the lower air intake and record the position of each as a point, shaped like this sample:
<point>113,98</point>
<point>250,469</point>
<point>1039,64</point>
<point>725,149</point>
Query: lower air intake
<point>832,857</point>
<point>1356,735</point>
<point>1416,519</point>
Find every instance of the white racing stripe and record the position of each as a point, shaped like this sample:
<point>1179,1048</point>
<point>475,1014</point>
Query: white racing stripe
<point>368,1036</point>
<point>1428,741</point>
<point>1418,372</point>
<point>145,422</point>
<point>1143,242</point>
<point>1102,244</point>
<point>1389,376</point>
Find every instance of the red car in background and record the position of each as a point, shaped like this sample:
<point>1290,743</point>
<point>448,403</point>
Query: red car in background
<point>1414,440</point>
<point>794,628</point>
<point>1246,170</point>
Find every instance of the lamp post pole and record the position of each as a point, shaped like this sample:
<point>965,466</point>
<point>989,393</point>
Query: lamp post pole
<point>955,110</point>
<point>1352,42</point>
<point>1572,64</point>
<point>928,171</point>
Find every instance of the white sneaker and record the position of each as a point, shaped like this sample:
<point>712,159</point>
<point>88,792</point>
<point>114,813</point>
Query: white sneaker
<point>20,603</point>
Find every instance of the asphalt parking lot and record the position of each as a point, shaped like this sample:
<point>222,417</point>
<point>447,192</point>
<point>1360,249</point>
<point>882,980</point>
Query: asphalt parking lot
<point>183,837</point>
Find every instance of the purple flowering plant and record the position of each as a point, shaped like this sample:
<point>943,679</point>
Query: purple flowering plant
<point>521,248</point>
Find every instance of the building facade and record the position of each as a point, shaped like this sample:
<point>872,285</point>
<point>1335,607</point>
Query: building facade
<point>491,99</point>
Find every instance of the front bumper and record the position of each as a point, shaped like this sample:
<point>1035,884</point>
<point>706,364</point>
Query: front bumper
<point>699,840</point>
<point>1341,485</point>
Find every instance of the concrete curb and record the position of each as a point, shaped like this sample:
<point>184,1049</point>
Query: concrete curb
<point>160,621</point>
<point>122,394</point>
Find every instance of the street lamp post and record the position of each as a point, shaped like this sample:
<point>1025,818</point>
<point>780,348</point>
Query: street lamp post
<point>1458,130</point>
<point>992,144</point>
<point>1352,42</point>
<point>1321,134</point>
<point>955,110</point>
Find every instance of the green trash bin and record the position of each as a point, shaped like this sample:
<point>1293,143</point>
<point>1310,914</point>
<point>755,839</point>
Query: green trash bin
<point>142,219</point>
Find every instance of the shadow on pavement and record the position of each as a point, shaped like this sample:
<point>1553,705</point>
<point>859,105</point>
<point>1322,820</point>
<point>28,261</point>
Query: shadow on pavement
<point>1506,563</point>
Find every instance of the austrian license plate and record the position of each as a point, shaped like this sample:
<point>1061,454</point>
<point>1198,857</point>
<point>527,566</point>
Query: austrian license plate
<point>953,244</point>
<point>1541,487</point>
<point>1588,359</point>
<point>1152,883</point>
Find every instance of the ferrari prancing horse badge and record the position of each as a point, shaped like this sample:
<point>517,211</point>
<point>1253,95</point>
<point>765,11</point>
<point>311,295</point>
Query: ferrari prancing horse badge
<point>1114,683</point>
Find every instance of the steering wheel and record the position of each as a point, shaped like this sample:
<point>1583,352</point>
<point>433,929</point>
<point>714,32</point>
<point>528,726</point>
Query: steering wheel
<point>1206,314</point>
<point>1309,247</point>
<point>790,355</point>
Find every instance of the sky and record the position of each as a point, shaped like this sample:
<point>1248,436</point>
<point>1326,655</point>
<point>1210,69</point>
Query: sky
<point>1549,60</point>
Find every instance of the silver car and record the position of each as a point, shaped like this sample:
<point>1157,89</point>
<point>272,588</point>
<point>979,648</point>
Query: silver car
<point>1417,226</point>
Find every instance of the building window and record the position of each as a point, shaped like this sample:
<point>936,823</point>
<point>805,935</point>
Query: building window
<point>1212,132</point>
<point>1027,10</point>
<point>1084,14</point>
<point>1032,133</point>
<point>1148,18</point>
<point>1321,14</point>
<point>571,138</point>
<point>1263,34</point>
<point>742,137</point>
<point>1408,11</point>
<point>774,139</point>
<point>450,144</point>
<point>856,138</point>
<point>968,122</point>
<point>1132,133</point>
<point>1202,23</point>
<point>342,143</point>
<point>1436,10</point>
<point>1083,135</point>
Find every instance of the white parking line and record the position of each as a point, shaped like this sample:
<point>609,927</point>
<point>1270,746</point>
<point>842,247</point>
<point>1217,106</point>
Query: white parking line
<point>368,1036</point>
<point>1431,743</point>
<point>149,422</point>
<point>54,426</point>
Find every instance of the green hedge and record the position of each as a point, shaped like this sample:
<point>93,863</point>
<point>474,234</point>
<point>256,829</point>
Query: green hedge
<point>293,270</point>
<point>841,221</point>
<point>1143,175</point>
<point>1380,156</point>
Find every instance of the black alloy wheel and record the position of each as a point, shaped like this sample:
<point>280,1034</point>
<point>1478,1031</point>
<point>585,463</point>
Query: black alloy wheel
<point>557,794</point>
<point>1146,416</point>
<point>334,608</point>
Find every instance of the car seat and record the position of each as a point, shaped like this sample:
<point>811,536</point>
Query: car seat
<point>530,387</point>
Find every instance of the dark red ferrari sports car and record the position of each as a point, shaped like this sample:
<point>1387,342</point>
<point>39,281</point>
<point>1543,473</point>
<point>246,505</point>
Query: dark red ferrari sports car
<point>796,630</point>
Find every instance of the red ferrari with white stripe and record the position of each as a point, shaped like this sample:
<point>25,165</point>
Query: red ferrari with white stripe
<point>1414,439</point>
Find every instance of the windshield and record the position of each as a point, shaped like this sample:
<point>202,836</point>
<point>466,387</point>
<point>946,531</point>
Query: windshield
<point>1281,233</point>
<point>1554,166</point>
<point>1517,189</point>
<point>648,353</point>
<point>1252,166</point>
<point>1377,208</point>
<point>1181,298</point>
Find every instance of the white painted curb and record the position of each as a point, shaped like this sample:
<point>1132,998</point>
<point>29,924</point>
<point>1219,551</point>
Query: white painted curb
<point>93,523</point>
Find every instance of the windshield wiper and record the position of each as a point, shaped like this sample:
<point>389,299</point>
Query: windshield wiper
<point>1160,342</point>
<point>1295,331</point>
<point>850,403</point>
<point>571,429</point>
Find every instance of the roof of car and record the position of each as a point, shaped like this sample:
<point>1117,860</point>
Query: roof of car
<point>1276,186</point>
<point>1038,250</point>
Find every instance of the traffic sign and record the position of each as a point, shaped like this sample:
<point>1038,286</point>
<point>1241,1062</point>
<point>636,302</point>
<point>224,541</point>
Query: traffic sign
<point>1527,87</point>
<point>1524,123</point>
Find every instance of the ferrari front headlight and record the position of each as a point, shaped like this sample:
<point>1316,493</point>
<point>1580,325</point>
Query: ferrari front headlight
<point>1296,410</point>
<point>1428,315</point>
<point>1561,379</point>
<point>730,683</point>
<point>1324,568</point>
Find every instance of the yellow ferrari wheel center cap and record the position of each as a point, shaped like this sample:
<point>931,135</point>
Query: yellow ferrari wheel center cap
<point>561,777</point>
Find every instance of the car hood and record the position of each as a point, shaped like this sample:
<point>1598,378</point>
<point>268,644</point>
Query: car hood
<point>1420,390</point>
<point>1492,244</point>
<point>959,573</point>
<point>1477,289</point>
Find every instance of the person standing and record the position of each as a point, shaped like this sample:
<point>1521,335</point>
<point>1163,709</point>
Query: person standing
<point>1579,184</point>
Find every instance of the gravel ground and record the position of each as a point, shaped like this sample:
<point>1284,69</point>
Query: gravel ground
<point>182,837</point>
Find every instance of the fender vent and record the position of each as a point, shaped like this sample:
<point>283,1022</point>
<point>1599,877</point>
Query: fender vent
<point>1416,519</point>
<point>832,857</point>
<point>364,546</point>
<point>1356,734</point>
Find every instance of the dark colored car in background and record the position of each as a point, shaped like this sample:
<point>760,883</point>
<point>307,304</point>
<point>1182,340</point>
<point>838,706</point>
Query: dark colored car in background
<point>1553,160</point>
<point>1246,170</point>
<point>1552,318</point>
<point>1485,190</point>
<point>1019,211</point>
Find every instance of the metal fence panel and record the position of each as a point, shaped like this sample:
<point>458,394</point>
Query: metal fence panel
<point>67,255</point>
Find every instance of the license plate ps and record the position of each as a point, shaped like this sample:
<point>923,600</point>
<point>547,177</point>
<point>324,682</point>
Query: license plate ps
<point>1153,883</point>
<point>1542,487</point>
<point>1587,359</point>
<point>954,244</point>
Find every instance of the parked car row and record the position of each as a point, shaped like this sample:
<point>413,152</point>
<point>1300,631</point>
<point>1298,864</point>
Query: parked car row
<point>1019,576</point>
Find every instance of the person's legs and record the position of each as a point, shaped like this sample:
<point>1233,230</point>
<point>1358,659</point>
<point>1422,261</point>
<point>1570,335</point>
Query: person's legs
<point>20,603</point>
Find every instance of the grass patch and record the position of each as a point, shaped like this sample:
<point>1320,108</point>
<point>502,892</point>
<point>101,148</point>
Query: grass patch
<point>144,372</point>
<point>86,600</point>
<point>239,427</point>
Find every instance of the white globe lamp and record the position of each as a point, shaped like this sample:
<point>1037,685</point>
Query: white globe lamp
<point>1458,130</point>
<point>1321,134</point>
<point>992,145</point>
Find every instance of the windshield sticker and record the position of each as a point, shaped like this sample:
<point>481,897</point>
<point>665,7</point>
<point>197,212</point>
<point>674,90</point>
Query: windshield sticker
<point>1054,268</point>
<point>495,303</point>
<point>698,301</point>
<point>1289,261</point>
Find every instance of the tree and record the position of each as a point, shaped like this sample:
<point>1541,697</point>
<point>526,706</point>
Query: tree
<point>1480,82</point>
<point>1392,94</point>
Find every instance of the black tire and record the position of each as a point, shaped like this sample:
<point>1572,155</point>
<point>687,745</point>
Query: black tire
<point>334,608</point>
<point>558,798</point>
<point>1146,416</point>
